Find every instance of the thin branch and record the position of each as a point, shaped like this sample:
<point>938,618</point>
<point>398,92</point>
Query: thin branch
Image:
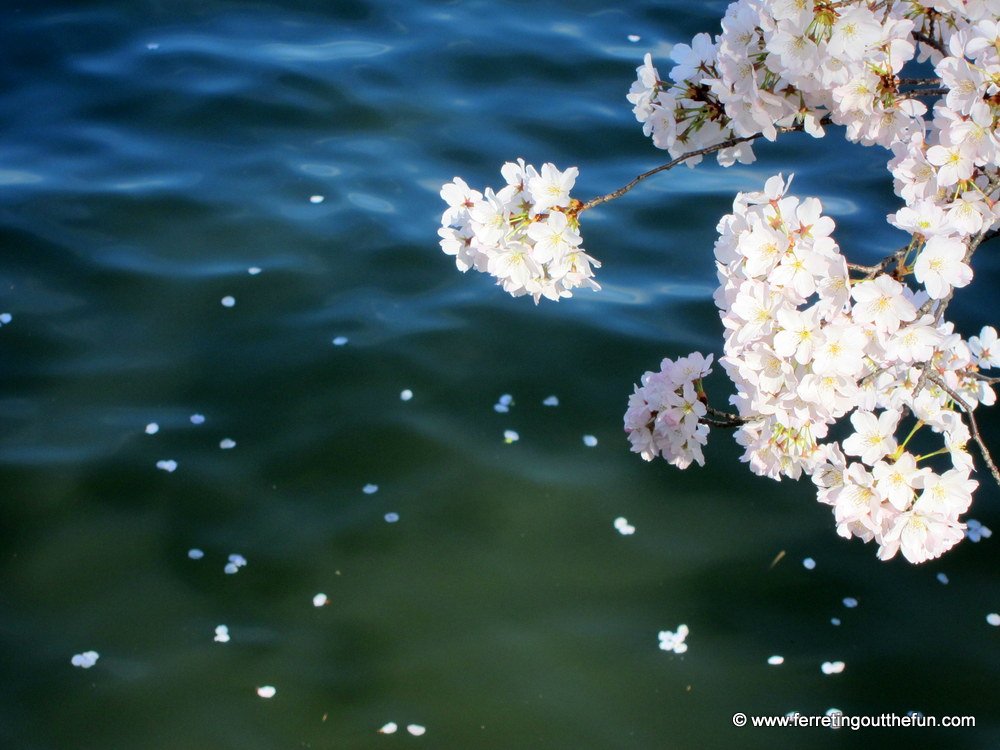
<point>925,371</point>
<point>983,378</point>
<point>722,425</point>
<point>971,247</point>
<point>873,271</point>
<point>870,269</point>
<point>973,426</point>
<point>923,92</point>
<point>930,42</point>
<point>684,157</point>
<point>723,419</point>
<point>919,81</point>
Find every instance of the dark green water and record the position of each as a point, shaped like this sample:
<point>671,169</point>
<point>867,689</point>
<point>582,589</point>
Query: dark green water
<point>152,152</point>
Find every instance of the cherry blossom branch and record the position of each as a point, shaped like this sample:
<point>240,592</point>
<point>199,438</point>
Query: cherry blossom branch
<point>984,378</point>
<point>930,42</point>
<point>723,419</point>
<point>684,157</point>
<point>873,271</point>
<point>973,425</point>
<point>971,248</point>
<point>919,81</point>
<point>923,92</point>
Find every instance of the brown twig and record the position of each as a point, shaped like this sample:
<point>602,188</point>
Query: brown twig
<point>723,419</point>
<point>983,378</point>
<point>682,158</point>
<point>873,271</point>
<point>930,42</point>
<point>919,81</point>
<point>922,92</point>
<point>973,426</point>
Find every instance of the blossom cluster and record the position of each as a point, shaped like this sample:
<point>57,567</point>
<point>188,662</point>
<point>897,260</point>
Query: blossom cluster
<point>782,64</point>
<point>805,346</point>
<point>860,383</point>
<point>665,412</point>
<point>525,235</point>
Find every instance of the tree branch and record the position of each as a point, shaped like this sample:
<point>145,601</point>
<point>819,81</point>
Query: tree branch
<point>984,378</point>
<point>923,92</point>
<point>723,419</point>
<point>973,426</point>
<point>684,157</point>
<point>873,271</point>
<point>919,81</point>
<point>930,42</point>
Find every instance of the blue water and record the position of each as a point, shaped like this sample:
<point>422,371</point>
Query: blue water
<point>152,153</point>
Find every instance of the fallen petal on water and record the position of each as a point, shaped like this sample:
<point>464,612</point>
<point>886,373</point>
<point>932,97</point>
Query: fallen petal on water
<point>85,660</point>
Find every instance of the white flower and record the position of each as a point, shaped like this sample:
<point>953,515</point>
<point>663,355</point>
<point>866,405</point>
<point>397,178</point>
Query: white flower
<point>984,347</point>
<point>953,162</point>
<point>551,187</point>
<point>897,482</point>
<point>941,266</point>
<point>914,342</point>
<point>921,535</point>
<point>873,437</point>
<point>882,301</point>
<point>553,237</point>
